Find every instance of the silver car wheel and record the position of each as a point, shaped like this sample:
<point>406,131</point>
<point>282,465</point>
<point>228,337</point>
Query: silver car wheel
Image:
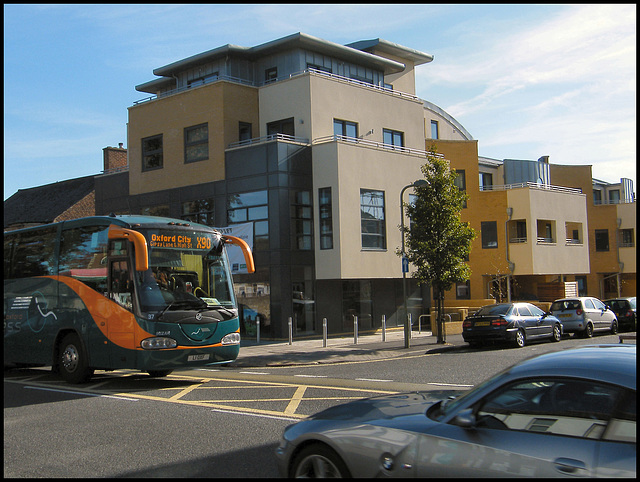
<point>316,466</point>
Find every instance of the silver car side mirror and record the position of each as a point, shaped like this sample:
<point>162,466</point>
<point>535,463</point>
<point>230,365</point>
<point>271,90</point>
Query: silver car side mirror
<point>465,419</point>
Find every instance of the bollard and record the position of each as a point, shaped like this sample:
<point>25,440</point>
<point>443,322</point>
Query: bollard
<point>257,330</point>
<point>324,332</point>
<point>355,330</point>
<point>290,331</point>
<point>410,326</point>
<point>384,328</point>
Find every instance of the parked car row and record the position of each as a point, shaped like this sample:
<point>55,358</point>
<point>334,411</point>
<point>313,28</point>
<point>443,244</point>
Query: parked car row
<point>521,322</point>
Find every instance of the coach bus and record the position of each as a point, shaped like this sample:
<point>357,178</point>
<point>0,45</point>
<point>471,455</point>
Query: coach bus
<point>119,292</point>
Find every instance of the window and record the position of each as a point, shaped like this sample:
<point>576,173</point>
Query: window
<point>614,196</point>
<point>597,196</point>
<point>33,254</point>
<point>434,130</point>
<point>357,300</point>
<point>302,217</point>
<point>202,80</point>
<point>486,181</point>
<point>251,207</point>
<point>244,131</point>
<point>462,291</point>
<point>196,143</point>
<point>567,407</point>
<point>489,234</point>
<point>393,138</point>
<point>343,128</point>
<point>461,182</point>
<point>83,256</point>
<point>319,67</point>
<point>284,126</point>
<point>573,233</point>
<point>626,238</point>
<point>372,219</point>
<point>546,231</point>
<point>270,75</point>
<point>152,153</point>
<point>201,211</point>
<point>326,218</point>
<point>517,231</point>
<point>602,240</point>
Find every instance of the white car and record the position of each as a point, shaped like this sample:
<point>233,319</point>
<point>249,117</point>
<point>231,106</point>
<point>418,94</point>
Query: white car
<point>584,315</point>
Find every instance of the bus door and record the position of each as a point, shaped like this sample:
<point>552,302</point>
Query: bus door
<point>121,320</point>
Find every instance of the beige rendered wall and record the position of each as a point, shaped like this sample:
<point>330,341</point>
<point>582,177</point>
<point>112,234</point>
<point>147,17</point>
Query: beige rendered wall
<point>169,116</point>
<point>348,168</point>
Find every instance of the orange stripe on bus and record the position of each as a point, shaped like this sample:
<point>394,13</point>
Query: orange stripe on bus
<point>108,315</point>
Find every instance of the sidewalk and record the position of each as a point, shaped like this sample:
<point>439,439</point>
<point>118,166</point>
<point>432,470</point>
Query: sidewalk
<point>369,347</point>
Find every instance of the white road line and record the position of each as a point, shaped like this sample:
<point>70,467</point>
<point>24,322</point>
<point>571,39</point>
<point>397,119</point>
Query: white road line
<point>256,415</point>
<point>311,376</point>
<point>254,373</point>
<point>84,393</point>
<point>450,385</point>
<point>372,380</point>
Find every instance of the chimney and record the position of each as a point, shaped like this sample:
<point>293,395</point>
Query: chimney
<point>115,158</point>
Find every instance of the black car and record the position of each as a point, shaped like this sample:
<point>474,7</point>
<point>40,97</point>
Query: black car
<point>625,310</point>
<point>512,322</point>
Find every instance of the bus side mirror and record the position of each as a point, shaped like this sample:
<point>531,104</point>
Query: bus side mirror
<point>246,251</point>
<point>142,253</point>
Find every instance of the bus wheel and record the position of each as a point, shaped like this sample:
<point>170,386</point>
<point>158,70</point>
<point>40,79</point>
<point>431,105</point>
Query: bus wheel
<point>159,373</point>
<point>73,363</point>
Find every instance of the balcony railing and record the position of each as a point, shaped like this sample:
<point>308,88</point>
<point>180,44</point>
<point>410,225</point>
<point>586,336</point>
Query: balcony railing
<point>532,185</point>
<point>272,137</point>
<point>375,145</point>
<point>309,71</point>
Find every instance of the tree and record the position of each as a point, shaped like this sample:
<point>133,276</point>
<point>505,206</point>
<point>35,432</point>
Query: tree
<point>438,242</point>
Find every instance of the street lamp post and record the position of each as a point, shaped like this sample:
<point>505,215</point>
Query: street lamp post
<point>407,326</point>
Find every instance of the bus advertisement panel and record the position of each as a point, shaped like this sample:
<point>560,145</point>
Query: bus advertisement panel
<point>139,292</point>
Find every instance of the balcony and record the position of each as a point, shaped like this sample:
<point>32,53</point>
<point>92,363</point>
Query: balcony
<point>310,71</point>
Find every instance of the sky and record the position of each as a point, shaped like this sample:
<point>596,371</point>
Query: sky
<point>524,80</point>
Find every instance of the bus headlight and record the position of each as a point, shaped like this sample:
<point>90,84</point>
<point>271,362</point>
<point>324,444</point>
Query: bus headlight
<point>231,339</point>
<point>158,343</point>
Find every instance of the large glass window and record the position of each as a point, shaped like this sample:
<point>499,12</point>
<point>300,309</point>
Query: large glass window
<point>251,207</point>
<point>302,218</point>
<point>196,143</point>
<point>161,210</point>
<point>357,301</point>
<point>201,211</point>
<point>489,234</point>
<point>326,218</point>
<point>461,182</point>
<point>152,153</point>
<point>372,219</point>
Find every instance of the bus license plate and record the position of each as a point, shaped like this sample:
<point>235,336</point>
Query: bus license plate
<point>198,357</point>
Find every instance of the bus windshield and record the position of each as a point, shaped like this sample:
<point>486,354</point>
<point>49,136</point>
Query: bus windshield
<point>188,270</point>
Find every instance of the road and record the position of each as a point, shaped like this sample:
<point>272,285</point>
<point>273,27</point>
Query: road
<point>222,422</point>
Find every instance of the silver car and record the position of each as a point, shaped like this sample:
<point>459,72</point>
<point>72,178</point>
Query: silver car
<point>584,315</point>
<point>566,413</point>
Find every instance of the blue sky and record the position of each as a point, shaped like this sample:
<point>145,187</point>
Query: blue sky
<point>524,80</point>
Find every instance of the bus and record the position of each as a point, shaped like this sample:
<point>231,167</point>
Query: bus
<point>120,292</point>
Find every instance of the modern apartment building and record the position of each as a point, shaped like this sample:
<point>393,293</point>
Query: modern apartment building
<point>312,143</point>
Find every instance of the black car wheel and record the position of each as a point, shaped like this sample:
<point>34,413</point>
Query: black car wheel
<point>557,333</point>
<point>588,331</point>
<point>614,327</point>
<point>318,461</point>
